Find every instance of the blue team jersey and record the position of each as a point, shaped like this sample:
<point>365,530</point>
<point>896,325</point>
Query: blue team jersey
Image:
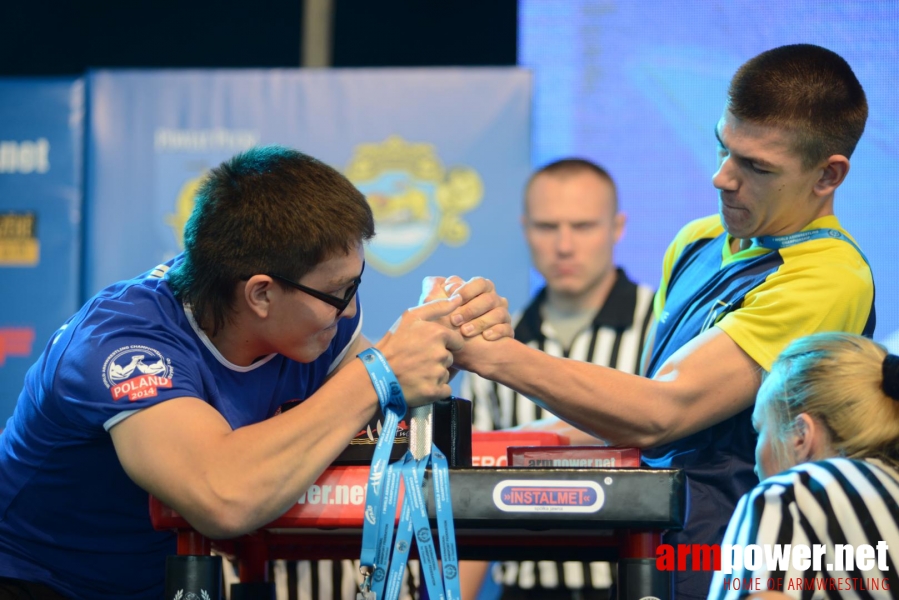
<point>70,516</point>
<point>762,298</point>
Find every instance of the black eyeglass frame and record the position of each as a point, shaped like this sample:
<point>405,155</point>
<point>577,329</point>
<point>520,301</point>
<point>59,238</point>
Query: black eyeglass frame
<point>336,301</point>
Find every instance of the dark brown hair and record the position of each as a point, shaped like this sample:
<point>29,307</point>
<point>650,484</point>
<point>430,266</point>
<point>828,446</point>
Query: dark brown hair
<point>807,89</point>
<point>268,210</point>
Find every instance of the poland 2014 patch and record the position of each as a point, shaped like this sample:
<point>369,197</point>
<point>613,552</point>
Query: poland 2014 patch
<point>137,372</point>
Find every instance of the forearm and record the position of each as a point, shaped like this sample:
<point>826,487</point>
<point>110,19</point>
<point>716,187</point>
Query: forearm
<point>264,468</point>
<point>574,435</point>
<point>600,401</point>
<point>227,482</point>
<point>471,577</point>
<point>707,381</point>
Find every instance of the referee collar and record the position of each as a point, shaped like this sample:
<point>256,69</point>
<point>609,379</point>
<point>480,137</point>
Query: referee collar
<point>617,312</point>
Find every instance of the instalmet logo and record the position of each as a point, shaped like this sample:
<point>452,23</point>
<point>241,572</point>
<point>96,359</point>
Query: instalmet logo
<point>532,496</point>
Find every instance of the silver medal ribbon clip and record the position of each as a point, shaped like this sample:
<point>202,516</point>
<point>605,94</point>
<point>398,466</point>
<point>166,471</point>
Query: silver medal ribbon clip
<point>365,592</point>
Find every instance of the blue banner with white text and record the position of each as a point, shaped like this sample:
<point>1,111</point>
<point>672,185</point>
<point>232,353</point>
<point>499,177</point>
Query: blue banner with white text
<point>154,134</point>
<point>41,136</point>
<point>632,86</point>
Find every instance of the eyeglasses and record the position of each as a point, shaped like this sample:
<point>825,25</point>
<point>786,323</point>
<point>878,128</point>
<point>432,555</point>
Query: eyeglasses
<point>336,301</point>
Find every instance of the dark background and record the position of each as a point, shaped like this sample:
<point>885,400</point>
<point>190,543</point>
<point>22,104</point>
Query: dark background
<point>67,37</point>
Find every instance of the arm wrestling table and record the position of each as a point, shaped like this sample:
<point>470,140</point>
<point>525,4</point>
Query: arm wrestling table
<point>500,514</point>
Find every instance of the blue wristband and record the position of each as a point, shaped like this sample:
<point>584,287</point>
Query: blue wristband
<point>383,483</point>
<point>383,572</point>
<point>390,394</point>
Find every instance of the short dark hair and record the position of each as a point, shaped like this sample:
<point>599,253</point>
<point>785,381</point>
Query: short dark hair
<point>567,167</point>
<point>807,89</point>
<point>267,210</point>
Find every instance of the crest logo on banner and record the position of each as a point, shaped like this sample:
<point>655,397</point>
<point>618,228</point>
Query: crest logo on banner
<point>184,205</point>
<point>417,204</point>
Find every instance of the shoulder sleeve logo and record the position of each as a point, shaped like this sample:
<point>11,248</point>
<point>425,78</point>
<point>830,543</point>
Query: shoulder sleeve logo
<point>137,372</point>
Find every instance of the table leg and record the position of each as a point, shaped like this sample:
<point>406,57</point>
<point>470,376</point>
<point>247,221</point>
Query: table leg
<point>638,577</point>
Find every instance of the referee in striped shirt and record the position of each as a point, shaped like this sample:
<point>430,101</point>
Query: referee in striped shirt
<point>828,423</point>
<point>589,311</point>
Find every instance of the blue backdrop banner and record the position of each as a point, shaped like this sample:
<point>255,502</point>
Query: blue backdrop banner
<point>441,154</point>
<point>634,86</point>
<point>41,134</point>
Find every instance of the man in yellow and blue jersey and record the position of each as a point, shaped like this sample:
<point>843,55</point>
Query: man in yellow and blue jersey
<point>773,264</point>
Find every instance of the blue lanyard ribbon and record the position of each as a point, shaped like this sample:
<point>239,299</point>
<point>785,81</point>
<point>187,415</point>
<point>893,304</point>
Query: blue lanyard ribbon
<point>381,483</point>
<point>383,574</point>
<point>443,503</point>
<point>404,533</point>
<point>776,242</point>
<point>441,584</point>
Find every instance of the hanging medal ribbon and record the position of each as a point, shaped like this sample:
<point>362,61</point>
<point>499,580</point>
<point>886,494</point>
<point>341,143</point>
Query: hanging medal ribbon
<point>382,482</point>
<point>383,573</point>
<point>776,242</point>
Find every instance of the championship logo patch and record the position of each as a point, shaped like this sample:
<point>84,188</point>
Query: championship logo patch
<point>543,495</point>
<point>137,372</point>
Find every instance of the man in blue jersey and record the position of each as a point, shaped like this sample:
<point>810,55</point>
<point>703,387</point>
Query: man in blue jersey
<point>737,287</point>
<point>172,383</point>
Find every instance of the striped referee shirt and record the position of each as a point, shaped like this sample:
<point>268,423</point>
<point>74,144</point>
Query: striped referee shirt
<point>829,502</point>
<point>615,339</point>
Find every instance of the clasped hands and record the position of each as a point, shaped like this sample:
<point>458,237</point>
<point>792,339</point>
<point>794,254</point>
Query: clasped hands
<point>427,344</point>
<point>482,311</point>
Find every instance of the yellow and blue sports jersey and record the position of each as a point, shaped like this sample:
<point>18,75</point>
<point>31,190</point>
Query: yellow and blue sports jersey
<point>763,297</point>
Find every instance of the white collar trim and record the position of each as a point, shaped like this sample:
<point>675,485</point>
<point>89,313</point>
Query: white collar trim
<point>215,352</point>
